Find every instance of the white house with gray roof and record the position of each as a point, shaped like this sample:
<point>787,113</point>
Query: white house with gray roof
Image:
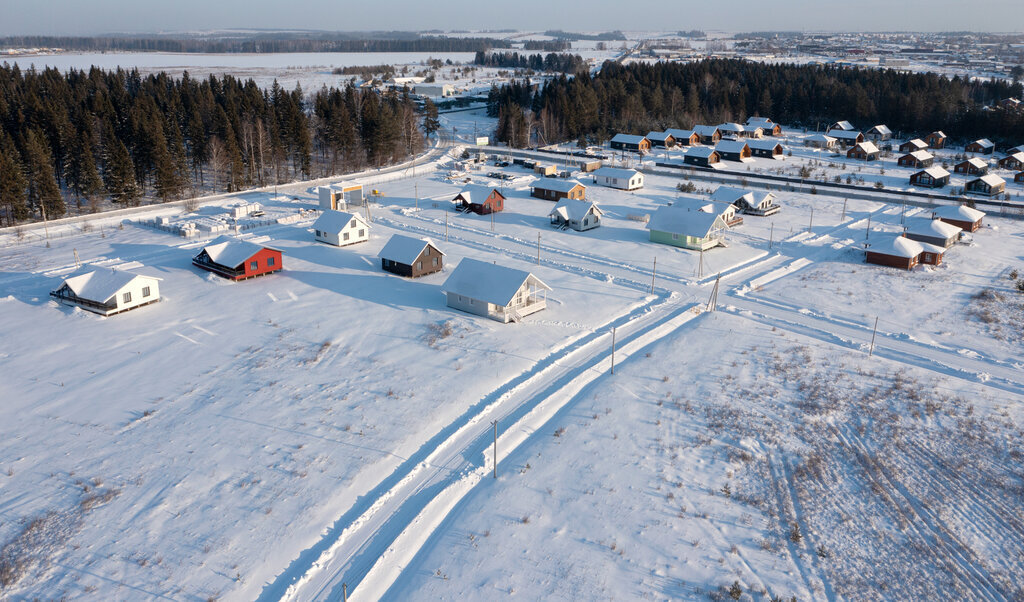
<point>623,179</point>
<point>107,292</point>
<point>576,214</point>
<point>494,291</point>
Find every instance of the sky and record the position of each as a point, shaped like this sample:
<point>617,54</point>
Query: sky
<point>89,17</point>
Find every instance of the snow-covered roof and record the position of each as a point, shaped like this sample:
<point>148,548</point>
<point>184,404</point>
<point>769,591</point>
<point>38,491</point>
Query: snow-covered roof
<point>935,172</point>
<point>938,133</point>
<point>916,143</point>
<point>615,172</point>
<point>730,127</point>
<point>575,209</point>
<point>405,249</point>
<point>476,191</point>
<point>556,184</point>
<point>705,130</point>
<point>881,129</point>
<point>977,162</point>
<point>695,204</point>
<point>335,221</point>
<point>730,146</point>
<point>931,227</point>
<point>1018,156</point>
<point>231,252</point>
<point>659,136</point>
<point>761,122</point>
<point>992,180</point>
<point>100,284</point>
<point>343,185</point>
<point>727,194</point>
<point>844,134</point>
<point>678,134</point>
<point>763,144</point>
<point>700,151</point>
<point>958,212</point>
<point>898,246</point>
<point>627,139</point>
<point>843,125</point>
<point>984,143</point>
<point>867,147</point>
<point>920,155</point>
<point>821,138</point>
<point>683,221</point>
<point>488,282</point>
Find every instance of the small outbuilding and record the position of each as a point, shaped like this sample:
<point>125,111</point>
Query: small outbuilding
<point>863,151</point>
<point>629,142</point>
<point>554,189</point>
<point>494,291</point>
<point>236,259</point>
<point>933,177</point>
<point>340,195</point>
<point>340,228</point>
<point>987,185</point>
<point>701,156</point>
<point>578,215</point>
<point>966,218</point>
<point>410,257</point>
<point>106,292</point>
<point>974,166</point>
<point>982,146</point>
<point>481,200</point>
<point>932,231</point>
<point>623,179</point>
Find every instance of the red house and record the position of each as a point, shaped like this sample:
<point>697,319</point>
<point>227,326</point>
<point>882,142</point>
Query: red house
<point>238,259</point>
<point>480,200</point>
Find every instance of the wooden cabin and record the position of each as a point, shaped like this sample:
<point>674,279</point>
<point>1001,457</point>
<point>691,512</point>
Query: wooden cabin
<point>894,252</point>
<point>236,259</point>
<point>410,257</point>
<point>1019,177</point>
<point>578,215</point>
<point>1014,161</point>
<point>702,157</point>
<point>820,141</point>
<point>629,142</point>
<point>914,145</point>
<point>842,126</point>
<point>972,167</point>
<point>966,218</point>
<point>340,228</point>
<point>481,200</point>
<point>747,201</point>
<point>708,134</point>
<point>733,150</point>
<point>768,127</point>
<point>982,146</point>
<point>730,130</point>
<point>878,133</point>
<point>106,292</point>
<point>920,159</point>
<point>554,189</point>
<point>766,148</point>
<point>933,177</point>
<point>988,185</point>
<point>661,139</point>
<point>846,138</point>
<point>684,137</point>
<point>936,139</point>
<point>863,151</point>
<point>932,231</point>
<point>494,291</point>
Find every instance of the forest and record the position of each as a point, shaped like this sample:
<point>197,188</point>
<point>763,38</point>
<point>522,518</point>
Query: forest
<point>552,62</point>
<point>96,137</point>
<point>639,98</point>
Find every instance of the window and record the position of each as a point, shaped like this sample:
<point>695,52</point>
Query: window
<point>145,291</point>
<point>435,262</point>
<point>127,297</point>
<point>344,236</point>
<point>362,233</point>
<point>353,224</point>
<point>675,237</point>
<point>270,262</point>
<point>318,233</point>
<point>419,265</point>
<point>254,265</point>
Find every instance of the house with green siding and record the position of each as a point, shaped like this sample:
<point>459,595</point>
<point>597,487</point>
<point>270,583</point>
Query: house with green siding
<point>687,228</point>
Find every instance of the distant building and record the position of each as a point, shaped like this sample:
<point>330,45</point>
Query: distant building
<point>982,146</point>
<point>961,216</point>
<point>340,195</point>
<point>623,179</point>
<point>747,201</point>
<point>733,150</point>
<point>481,200</point>
<point>434,90</point>
<point>628,142</point>
<point>554,189</point>
<point>107,292</point>
<point>578,215</point>
<point>684,137</point>
<point>972,167</point>
<point>879,133</point>
<point>933,177</point>
<point>842,126</point>
<point>988,185</point>
<point>919,159</point>
<point>911,146</point>
<point>936,139</point>
<point>820,141</point>
<point>863,151</point>
<point>847,138</point>
<point>662,139</point>
<point>768,127</point>
<point>766,148</point>
<point>708,134</point>
<point>701,157</point>
<point>1014,161</point>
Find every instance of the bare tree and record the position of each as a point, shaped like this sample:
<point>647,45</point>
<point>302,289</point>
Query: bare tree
<point>218,159</point>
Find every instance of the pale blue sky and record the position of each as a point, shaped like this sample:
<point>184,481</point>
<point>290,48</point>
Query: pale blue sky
<point>101,16</point>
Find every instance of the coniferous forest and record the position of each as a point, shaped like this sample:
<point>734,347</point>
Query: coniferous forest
<point>83,138</point>
<point>639,98</point>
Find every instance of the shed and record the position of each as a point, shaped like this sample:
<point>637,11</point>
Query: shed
<point>863,151</point>
<point>341,228</point>
<point>966,218</point>
<point>701,156</point>
<point>932,231</point>
<point>481,200</point>
<point>629,142</point>
<point>623,179</point>
<point>410,257</point>
<point>339,195</point>
<point>936,139</point>
<point>983,146</point>
<point>988,185</point>
<point>553,189</point>
<point>919,159</point>
<point>238,259</point>
<point>933,177</point>
<point>578,215</point>
<point>766,148</point>
<point>686,228</point>
<point>733,150</point>
<point>974,166</point>
<point>107,292</point>
<point>494,291</point>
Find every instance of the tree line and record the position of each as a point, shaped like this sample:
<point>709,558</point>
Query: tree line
<point>552,62</point>
<point>94,136</point>
<point>639,97</point>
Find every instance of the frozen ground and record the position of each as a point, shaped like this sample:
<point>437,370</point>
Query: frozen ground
<point>329,426</point>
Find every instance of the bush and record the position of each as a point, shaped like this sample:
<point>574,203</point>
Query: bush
<point>794,534</point>
<point>736,591</point>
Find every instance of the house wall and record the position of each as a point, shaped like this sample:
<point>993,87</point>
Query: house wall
<point>934,240</point>
<point>357,234</point>
<point>472,306</point>
<point>892,261</point>
<point>964,225</point>
<point>262,258</point>
<point>589,222</point>
<point>135,289</point>
<point>684,242</point>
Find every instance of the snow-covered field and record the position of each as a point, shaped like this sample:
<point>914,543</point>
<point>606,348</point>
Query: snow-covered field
<point>329,426</point>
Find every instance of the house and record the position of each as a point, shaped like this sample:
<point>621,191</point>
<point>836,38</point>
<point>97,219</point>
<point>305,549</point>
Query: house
<point>919,159</point>
<point>1015,150</point>
<point>932,231</point>
<point>689,229</point>
<point>733,150</point>
<point>238,259</point>
<point>627,142</point>
<point>701,156</point>
<point>902,252</point>
<point>578,215</point>
<point>820,141</point>
<point>107,292</point>
<point>747,201</point>
<point>766,148</point>
<point>340,195</point>
<point>481,200</point>
<point>752,131</point>
<point>863,151</point>
<point>494,291</point>
<point>545,170</point>
<point>768,127</point>
<point>733,130</point>
<point>879,133</point>
<point>983,146</point>
<point>846,138</point>
<point>973,166</point>
<point>961,216</point>
<point>708,134</point>
<point>340,228</point>
<point>662,139</point>
<point>989,185</point>
<point>1019,177</point>
<point>1014,161</point>
<point>936,139</point>
<point>933,177</point>
<point>434,90</point>
<point>410,257</point>
<point>553,189</point>
<point>623,179</point>
<point>727,211</point>
<point>684,137</point>
<point>842,126</point>
<point>914,145</point>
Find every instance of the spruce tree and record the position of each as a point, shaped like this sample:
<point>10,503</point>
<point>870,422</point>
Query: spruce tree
<point>13,185</point>
<point>43,191</point>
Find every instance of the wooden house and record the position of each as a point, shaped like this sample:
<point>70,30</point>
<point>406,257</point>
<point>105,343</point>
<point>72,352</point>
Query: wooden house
<point>481,200</point>
<point>919,159</point>
<point>661,139</point>
<point>1014,161</point>
<point>684,137</point>
<point>932,231</point>
<point>545,170</point>
<point>846,138</point>
<point>766,148</point>
<point>494,291</point>
<point>623,179</point>
<point>863,151</point>
<point>628,142</point>
<point>236,259</point>
<point>972,167</point>
<point>578,215</point>
<point>988,185</point>
<point>961,216</point>
<point>107,292</point>
<point>842,126</point>
<point>340,228</point>
<point>820,141</point>
<point>730,130</point>
<point>708,134</point>
<point>983,146</point>
<point>1015,150</point>
<point>733,150</point>
<point>933,177</point>
<point>752,131</point>
<point>878,133</point>
<point>1019,177</point>
<point>914,145</point>
<point>410,257</point>
<point>686,228</point>
<point>340,195</point>
<point>902,252</point>
<point>936,139</point>
<point>701,157</point>
<point>768,127</point>
<point>747,201</point>
<point>554,189</point>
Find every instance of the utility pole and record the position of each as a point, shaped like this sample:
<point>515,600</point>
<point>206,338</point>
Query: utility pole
<point>538,248</point>
<point>613,350</point>
<point>494,423</point>
<point>867,233</point>
<point>417,188</point>
<point>654,273</point>
<point>771,235</point>
<point>344,592</point>
<point>492,221</point>
<point>843,218</point>
<point>46,229</point>
<point>871,349</point>
<point>700,264</point>
<point>713,301</point>
<point>903,212</point>
<point>78,263</point>
<point>446,225</point>
<point>810,224</point>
